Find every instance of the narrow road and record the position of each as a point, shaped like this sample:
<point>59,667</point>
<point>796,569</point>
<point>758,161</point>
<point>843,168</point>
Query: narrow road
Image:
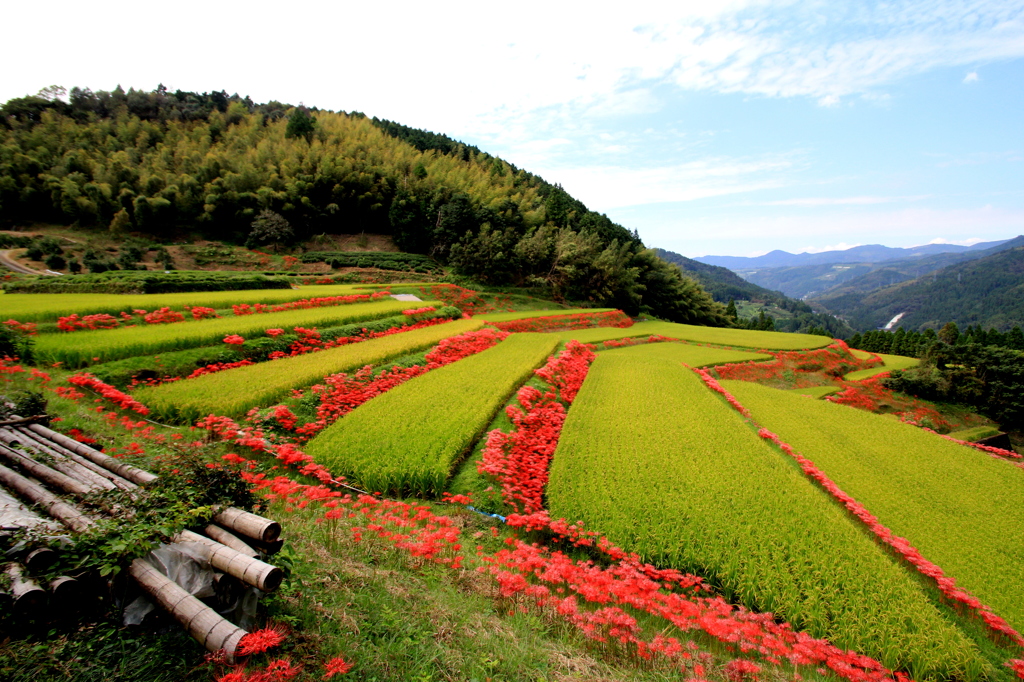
<point>11,264</point>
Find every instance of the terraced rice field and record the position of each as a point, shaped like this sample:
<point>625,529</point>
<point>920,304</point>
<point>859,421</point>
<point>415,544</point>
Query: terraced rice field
<point>409,438</point>
<point>891,362</point>
<point>661,465</point>
<point>741,338</point>
<point>48,307</point>
<point>76,349</point>
<point>529,314</point>
<point>235,391</point>
<point>958,506</point>
<point>695,356</point>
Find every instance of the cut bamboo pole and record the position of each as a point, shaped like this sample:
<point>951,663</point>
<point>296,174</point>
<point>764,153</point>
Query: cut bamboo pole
<point>247,569</point>
<point>230,539</point>
<point>39,559</point>
<point>126,471</point>
<point>204,624</point>
<point>249,525</point>
<point>67,591</point>
<point>67,462</point>
<point>29,597</point>
<point>44,473</point>
<point>68,514</point>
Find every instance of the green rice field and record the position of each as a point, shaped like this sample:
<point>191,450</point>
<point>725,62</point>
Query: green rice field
<point>695,356</point>
<point>235,391</point>
<point>49,307</point>
<point>409,438</point>
<point>891,362</point>
<point>530,314</point>
<point>660,464</point>
<point>76,349</point>
<point>913,481</point>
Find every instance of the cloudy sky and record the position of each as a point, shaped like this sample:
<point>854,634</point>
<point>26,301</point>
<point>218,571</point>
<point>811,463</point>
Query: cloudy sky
<point>711,127</point>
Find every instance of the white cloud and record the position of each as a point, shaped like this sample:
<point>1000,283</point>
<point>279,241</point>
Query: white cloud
<point>962,242</point>
<point>972,77</point>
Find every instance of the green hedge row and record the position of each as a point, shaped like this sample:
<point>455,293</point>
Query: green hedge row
<point>385,260</point>
<point>136,282</point>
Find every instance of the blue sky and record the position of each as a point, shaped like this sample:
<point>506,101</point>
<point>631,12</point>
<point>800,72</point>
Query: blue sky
<point>728,128</point>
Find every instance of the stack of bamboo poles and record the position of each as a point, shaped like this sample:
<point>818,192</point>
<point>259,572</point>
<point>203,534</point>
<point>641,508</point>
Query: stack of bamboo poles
<point>40,466</point>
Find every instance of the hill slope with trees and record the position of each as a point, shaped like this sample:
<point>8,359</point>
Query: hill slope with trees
<point>988,292</point>
<point>184,164</point>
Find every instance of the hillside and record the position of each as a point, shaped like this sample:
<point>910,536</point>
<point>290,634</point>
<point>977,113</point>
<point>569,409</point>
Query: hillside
<point>177,166</point>
<point>987,291</point>
<point>814,280</point>
<point>724,285</point>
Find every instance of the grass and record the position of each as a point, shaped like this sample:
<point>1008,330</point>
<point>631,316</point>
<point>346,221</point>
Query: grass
<point>528,314</point>
<point>891,362</point>
<point>235,391</point>
<point>913,481</point>
<point>665,468</point>
<point>411,437</point>
<point>76,349</point>
<point>48,307</point>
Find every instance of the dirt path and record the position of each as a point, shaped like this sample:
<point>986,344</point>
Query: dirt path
<point>11,264</point>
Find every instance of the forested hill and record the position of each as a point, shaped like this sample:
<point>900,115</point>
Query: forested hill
<point>988,292</point>
<point>206,164</point>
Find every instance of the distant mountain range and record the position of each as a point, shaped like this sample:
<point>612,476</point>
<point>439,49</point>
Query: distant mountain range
<point>869,253</point>
<point>724,284</point>
<point>988,291</point>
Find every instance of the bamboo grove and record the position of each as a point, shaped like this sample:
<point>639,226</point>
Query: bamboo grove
<point>163,163</point>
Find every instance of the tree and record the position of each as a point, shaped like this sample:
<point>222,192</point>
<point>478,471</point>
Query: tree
<point>730,310</point>
<point>949,333</point>
<point>300,124</point>
<point>269,228</point>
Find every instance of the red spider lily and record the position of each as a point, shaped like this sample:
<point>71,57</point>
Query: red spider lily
<point>163,316</point>
<point>27,328</point>
<point>234,340</point>
<point>259,641</point>
<point>214,367</point>
<point>201,313</point>
<point>72,322</point>
<point>123,400</point>
<point>336,666</point>
<point>615,318</point>
<point>417,311</point>
<point>998,453</point>
<point>274,332</point>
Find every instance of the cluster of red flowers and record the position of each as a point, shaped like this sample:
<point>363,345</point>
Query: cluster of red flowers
<point>998,453</point>
<point>73,322</point>
<point>201,313</point>
<point>122,400</point>
<point>290,261</point>
<point>520,460</point>
<point>68,392</point>
<point>341,393</point>
<point>306,303</point>
<point>417,311</point>
<point>634,340</point>
<point>27,328</point>
<point>903,547</point>
<point>218,367</point>
<point>870,395</point>
<point>466,300</point>
<point>234,340</point>
<point>163,316</point>
<point>806,367</point>
<point>614,318</point>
